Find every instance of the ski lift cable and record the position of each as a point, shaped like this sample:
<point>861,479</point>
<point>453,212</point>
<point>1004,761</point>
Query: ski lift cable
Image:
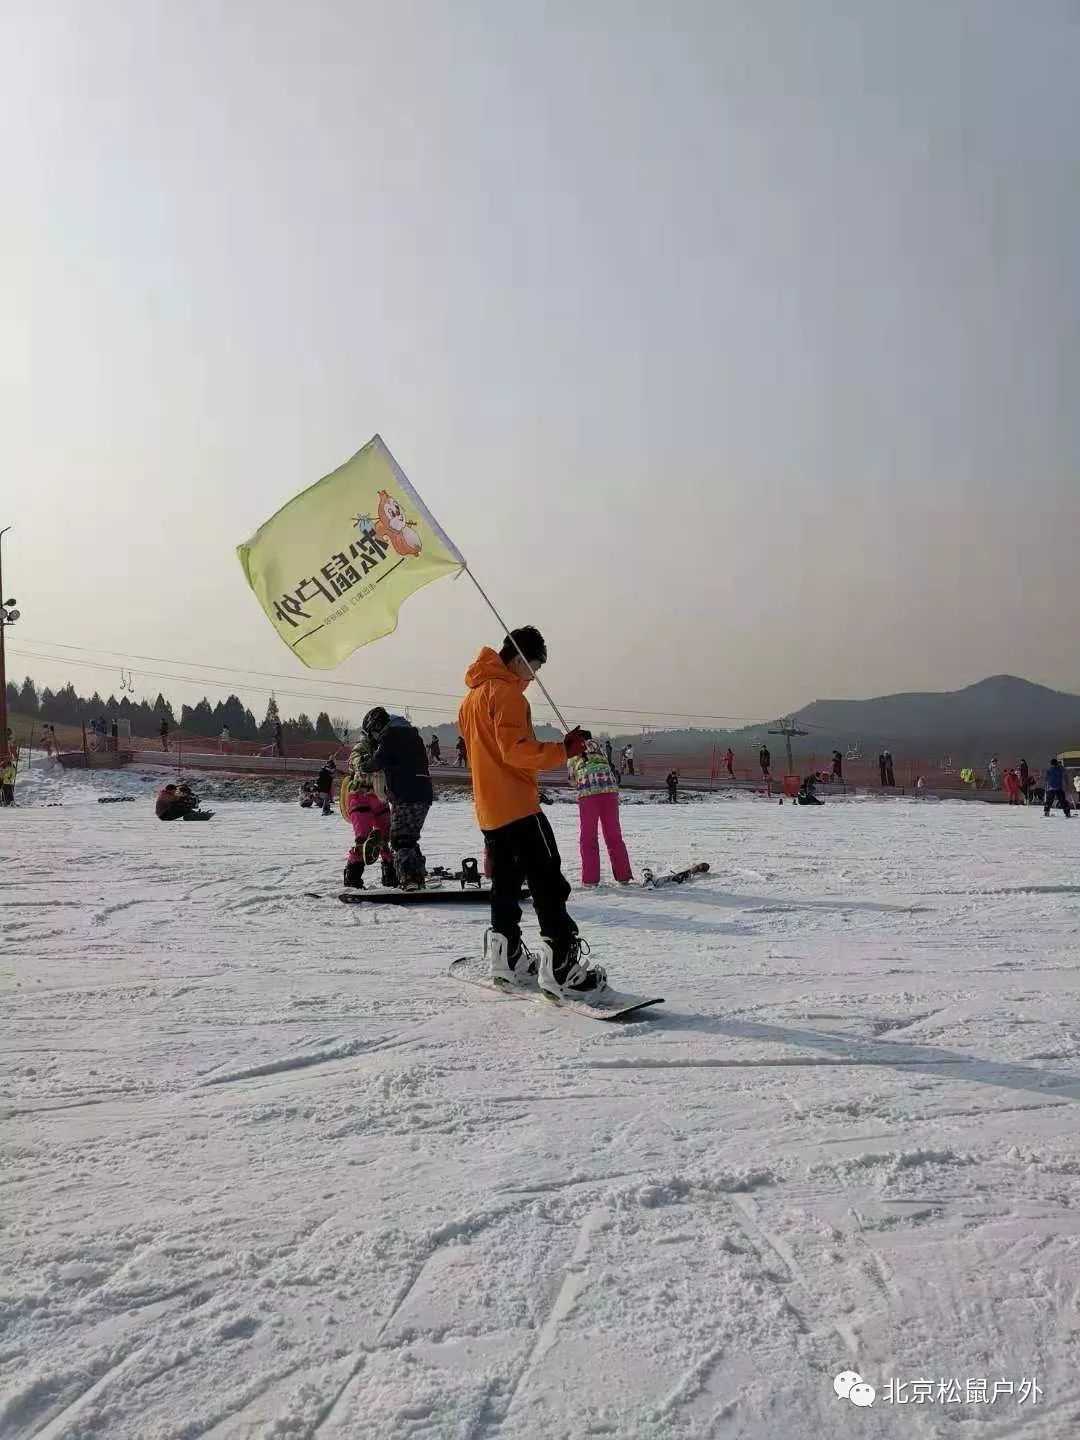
<point>352,685</point>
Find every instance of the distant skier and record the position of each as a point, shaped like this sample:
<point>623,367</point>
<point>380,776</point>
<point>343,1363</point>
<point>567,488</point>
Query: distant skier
<point>307,795</point>
<point>397,750</point>
<point>462,754</point>
<point>609,752</point>
<point>672,783</point>
<point>1012,786</point>
<point>369,816</point>
<point>838,767</point>
<point>506,758</point>
<point>765,761</point>
<point>324,784</point>
<point>890,777</point>
<point>435,750</point>
<point>1054,789</point>
<point>628,755</point>
<point>882,771</point>
<point>598,808</point>
<point>1025,780</point>
<point>993,771</point>
<point>7,783</point>
<point>729,763</point>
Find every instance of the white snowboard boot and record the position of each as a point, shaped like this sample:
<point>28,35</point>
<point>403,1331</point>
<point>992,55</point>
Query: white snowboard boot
<point>518,968</point>
<point>569,975</point>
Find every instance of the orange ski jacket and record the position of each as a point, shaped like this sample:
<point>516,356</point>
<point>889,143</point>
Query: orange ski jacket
<point>505,756</point>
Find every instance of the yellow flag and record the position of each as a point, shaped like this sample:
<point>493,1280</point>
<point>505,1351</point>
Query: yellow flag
<point>333,566</point>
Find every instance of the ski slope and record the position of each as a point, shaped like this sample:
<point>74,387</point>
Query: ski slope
<point>267,1172</point>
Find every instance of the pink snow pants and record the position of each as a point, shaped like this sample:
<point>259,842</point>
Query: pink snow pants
<point>602,811</point>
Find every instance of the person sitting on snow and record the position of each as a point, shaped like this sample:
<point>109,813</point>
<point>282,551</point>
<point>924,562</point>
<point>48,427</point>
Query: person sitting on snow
<point>808,792</point>
<point>175,802</point>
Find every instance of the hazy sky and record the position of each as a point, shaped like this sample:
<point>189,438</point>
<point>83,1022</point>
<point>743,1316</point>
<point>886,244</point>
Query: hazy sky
<point>735,344</point>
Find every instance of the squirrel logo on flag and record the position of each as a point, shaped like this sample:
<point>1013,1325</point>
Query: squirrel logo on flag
<point>393,528</point>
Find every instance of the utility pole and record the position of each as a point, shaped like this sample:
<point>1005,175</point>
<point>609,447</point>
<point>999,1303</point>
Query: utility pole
<point>8,616</point>
<point>788,728</point>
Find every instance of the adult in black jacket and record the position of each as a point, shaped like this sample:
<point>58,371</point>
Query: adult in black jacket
<point>324,784</point>
<point>396,749</point>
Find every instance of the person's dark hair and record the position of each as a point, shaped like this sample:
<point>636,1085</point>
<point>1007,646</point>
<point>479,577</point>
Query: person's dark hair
<point>528,642</point>
<point>375,722</point>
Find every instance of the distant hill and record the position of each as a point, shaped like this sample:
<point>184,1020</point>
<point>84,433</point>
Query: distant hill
<point>1003,713</point>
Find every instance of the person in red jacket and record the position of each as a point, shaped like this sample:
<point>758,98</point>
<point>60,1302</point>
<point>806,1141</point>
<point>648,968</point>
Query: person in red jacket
<point>1012,785</point>
<point>506,758</point>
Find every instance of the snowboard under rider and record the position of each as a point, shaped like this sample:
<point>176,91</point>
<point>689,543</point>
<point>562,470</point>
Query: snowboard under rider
<point>496,723</point>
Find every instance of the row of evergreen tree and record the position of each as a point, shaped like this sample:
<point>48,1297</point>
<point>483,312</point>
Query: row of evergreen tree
<point>66,707</point>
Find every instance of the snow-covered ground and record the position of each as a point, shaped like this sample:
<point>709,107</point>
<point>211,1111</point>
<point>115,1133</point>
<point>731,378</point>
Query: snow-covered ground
<point>267,1172</point>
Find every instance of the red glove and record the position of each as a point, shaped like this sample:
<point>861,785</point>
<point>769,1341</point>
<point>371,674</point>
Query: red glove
<point>576,740</point>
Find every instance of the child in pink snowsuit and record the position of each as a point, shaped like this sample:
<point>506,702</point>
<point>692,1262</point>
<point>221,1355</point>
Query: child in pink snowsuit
<point>598,807</point>
<point>369,816</point>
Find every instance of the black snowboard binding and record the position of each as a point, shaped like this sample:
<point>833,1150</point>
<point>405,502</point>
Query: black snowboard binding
<point>469,874</point>
<point>389,875</point>
<point>354,875</point>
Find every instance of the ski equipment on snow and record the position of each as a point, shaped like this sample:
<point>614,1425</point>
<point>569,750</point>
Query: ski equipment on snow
<point>609,1005</point>
<point>673,877</point>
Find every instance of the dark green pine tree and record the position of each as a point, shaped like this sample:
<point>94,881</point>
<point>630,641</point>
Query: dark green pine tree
<point>28,701</point>
<point>270,720</point>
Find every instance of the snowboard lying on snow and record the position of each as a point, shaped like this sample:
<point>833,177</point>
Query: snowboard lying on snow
<point>432,895</point>
<point>674,877</point>
<point>608,1005</point>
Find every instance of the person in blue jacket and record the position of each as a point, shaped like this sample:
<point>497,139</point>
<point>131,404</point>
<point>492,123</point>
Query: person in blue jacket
<point>1055,789</point>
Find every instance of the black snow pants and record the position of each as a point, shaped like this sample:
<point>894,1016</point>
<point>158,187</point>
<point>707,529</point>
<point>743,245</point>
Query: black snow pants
<point>525,852</point>
<point>1056,797</point>
<point>406,822</point>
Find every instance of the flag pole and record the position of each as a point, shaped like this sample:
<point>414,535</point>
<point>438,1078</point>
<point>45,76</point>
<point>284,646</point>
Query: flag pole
<point>509,634</point>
